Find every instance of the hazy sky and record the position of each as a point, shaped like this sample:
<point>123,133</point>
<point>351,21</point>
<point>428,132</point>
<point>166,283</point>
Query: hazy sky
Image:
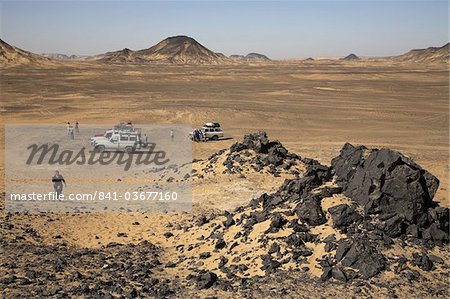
<point>292,29</point>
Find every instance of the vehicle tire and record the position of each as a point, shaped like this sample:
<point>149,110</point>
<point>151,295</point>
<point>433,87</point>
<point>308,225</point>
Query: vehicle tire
<point>215,137</point>
<point>129,149</point>
<point>100,148</point>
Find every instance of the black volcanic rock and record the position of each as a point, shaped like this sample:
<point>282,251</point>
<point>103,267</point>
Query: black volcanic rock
<point>351,57</point>
<point>310,211</point>
<point>385,181</point>
<point>206,279</point>
<point>344,215</point>
<point>393,187</point>
<point>422,261</point>
<point>358,253</point>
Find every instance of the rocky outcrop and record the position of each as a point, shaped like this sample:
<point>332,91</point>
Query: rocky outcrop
<point>10,55</point>
<point>395,189</point>
<point>430,54</point>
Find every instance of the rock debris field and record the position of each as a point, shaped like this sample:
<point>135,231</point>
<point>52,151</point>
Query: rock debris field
<point>366,225</point>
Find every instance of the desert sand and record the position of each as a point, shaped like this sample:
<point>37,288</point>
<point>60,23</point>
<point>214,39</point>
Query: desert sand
<point>312,107</point>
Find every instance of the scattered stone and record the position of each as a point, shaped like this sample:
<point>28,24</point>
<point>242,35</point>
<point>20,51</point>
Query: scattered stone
<point>220,244</point>
<point>167,235</point>
<point>422,261</point>
<point>310,212</point>
<point>206,279</point>
<point>344,215</point>
<point>359,254</point>
<point>205,255</point>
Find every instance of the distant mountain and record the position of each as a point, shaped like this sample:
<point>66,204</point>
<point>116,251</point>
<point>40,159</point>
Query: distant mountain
<point>256,57</point>
<point>121,56</point>
<point>221,55</point>
<point>351,57</point>
<point>176,49</point>
<point>250,57</point>
<point>431,54</point>
<point>11,55</point>
<point>237,57</point>
<point>58,56</point>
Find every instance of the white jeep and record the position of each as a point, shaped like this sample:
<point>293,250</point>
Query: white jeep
<point>116,130</point>
<point>122,141</point>
<point>210,131</point>
<point>107,135</point>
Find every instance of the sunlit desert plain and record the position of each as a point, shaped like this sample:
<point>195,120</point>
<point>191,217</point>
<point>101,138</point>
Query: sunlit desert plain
<point>312,107</point>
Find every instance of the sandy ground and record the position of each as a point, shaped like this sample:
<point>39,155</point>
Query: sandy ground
<point>312,108</point>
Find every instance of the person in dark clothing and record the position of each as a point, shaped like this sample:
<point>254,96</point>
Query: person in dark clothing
<point>197,135</point>
<point>58,181</point>
<point>77,127</point>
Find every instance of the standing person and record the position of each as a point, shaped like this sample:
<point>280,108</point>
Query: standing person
<point>58,181</point>
<point>77,128</point>
<point>196,135</point>
<point>145,140</point>
<point>171,134</point>
<point>68,128</point>
<point>71,132</point>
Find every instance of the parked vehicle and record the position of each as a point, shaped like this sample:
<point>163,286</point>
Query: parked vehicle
<point>210,131</point>
<point>106,135</point>
<point>116,130</point>
<point>122,141</point>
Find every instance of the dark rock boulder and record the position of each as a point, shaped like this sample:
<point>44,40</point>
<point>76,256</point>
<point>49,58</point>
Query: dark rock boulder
<point>206,279</point>
<point>276,154</point>
<point>310,212</point>
<point>422,261</point>
<point>359,254</point>
<point>344,215</point>
<point>314,168</point>
<point>229,221</point>
<point>237,147</point>
<point>220,244</point>
<point>277,222</point>
<point>269,265</point>
<point>439,218</point>
<point>394,226</point>
<point>344,165</point>
<point>202,220</point>
<point>435,234</point>
<point>338,274</point>
<point>385,182</point>
<point>260,143</point>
